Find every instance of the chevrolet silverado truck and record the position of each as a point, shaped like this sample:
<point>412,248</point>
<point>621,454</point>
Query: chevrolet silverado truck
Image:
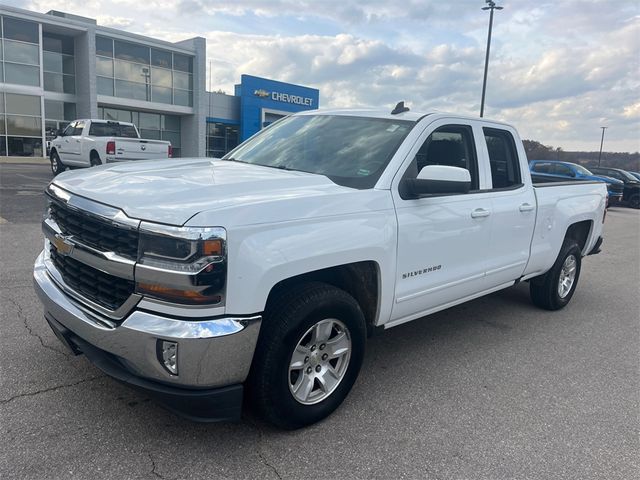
<point>87,143</point>
<point>262,274</point>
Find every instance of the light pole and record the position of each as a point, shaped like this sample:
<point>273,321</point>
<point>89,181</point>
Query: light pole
<point>491,5</point>
<point>601,142</point>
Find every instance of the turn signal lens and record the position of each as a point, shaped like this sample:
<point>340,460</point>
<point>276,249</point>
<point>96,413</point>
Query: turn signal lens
<point>180,296</point>
<point>212,247</point>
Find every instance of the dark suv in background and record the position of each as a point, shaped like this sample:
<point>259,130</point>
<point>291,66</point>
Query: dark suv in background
<point>631,194</point>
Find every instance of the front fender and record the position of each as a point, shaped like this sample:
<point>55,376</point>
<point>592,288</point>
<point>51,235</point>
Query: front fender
<point>260,256</point>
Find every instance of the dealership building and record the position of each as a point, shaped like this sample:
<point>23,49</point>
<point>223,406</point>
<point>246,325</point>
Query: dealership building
<point>57,67</point>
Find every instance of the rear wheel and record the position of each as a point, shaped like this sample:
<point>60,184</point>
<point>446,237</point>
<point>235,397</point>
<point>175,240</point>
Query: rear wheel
<point>308,356</point>
<point>554,290</point>
<point>95,159</point>
<point>56,164</point>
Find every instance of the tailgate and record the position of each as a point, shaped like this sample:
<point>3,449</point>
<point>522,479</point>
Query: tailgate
<point>140,149</point>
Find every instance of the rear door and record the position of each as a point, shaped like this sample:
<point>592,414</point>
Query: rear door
<point>513,206</point>
<point>443,241</point>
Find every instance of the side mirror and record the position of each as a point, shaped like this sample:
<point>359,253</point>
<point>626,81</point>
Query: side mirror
<point>438,180</point>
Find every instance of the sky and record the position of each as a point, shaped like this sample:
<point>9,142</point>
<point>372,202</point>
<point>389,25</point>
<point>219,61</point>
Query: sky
<point>558,70</point>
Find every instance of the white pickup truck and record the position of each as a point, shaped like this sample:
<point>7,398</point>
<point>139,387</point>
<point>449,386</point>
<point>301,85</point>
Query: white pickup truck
<point>87,143</point>
<point>268,269</point>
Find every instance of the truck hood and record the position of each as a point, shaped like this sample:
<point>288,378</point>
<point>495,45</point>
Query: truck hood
<point>173,191</point>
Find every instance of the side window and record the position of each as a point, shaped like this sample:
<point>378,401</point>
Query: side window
<point>503,158</point>
<point>542,167</point>
<point>450,145</point>
<point>69,130</point>
<point>78,128</point>
<point>563,170</point>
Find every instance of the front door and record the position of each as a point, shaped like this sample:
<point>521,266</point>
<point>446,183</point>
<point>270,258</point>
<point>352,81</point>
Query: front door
<point>442,240</point>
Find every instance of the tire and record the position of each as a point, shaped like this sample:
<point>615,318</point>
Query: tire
<point>291,384</point>
<point>546,291</point>
<point>634,201</point>
<point>56,164</point>
<point>94,159</point>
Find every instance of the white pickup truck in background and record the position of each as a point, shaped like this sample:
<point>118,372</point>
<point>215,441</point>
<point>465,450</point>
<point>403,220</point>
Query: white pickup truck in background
<point>268,269</point>
<point>87,143</point>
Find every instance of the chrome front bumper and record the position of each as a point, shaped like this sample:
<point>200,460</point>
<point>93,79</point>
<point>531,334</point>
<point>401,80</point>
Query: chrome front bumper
<point>211,352</point>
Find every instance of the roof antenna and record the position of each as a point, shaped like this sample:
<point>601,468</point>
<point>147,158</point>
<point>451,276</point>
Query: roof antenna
<point>400,108</point>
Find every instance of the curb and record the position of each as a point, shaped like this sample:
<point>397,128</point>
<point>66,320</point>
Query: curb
<point>24,160</point>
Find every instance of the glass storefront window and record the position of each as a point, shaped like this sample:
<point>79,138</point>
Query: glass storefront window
<point>57,82</point>
<point>173,137</point>
<point>161,94</point>
<point>22,74</point>
<point>149,121</point>
<point>28,126</point>
<point>22,104</point>
<point>21,30</point>
<point>182,97</point>
<point>161,58</point>
<point>133,72</point>
<point>24,147</point>
<point>136,91</point>
<point>171,122</point>
<point>104,46</point>
<point>56,110</point>
<point>221,139</point>
<point>182,81</point>
<point>183,63</point>
<point>57,43</point>
<point>161,77</point>
<point>58,63</point>
<point>131,52</point>
<point>104,66</point>
<point>2,129</point>
<point>105,86</point>
<point>19,52</point>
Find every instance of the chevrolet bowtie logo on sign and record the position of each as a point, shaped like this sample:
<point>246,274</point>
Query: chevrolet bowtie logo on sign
<point>261,93</point>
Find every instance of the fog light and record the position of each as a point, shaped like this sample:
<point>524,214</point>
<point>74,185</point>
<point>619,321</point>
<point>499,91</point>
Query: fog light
<point>168,355</point>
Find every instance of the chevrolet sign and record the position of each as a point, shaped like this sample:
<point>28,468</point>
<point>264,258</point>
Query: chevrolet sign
<point>284,97</point>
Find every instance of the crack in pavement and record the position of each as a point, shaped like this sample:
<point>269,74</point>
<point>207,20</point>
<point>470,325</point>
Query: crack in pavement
<point>23,317</point>
<point>263,458</point>
<point>50,389</point>
<point>153,468</point>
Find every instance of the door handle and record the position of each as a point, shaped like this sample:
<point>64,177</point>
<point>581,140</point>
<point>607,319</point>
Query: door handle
<point>525,207</point>
<point>480,212</point>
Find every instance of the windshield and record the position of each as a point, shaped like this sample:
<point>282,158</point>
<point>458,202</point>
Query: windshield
<point>628,176</point>
<point>581,170</point>
<point>351,151</point>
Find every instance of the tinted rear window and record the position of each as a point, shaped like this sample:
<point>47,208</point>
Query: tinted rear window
<point>112,130</point>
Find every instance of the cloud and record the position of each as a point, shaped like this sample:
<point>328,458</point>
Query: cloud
<point>558,70</point>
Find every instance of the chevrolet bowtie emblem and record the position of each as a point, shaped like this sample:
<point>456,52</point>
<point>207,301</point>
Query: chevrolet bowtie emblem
<point>261,93</point>
<point>63,246</point>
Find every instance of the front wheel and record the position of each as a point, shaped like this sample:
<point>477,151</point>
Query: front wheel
<point>554,290</point>
<point>56,164</point>
<point>308,355</point>
<point>634,201</point>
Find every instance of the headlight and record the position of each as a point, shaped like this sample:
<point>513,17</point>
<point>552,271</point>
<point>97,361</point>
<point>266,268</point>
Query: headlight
<point>182,264</point>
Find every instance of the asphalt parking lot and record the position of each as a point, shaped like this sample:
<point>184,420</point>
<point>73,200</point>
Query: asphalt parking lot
<point>491,389</point>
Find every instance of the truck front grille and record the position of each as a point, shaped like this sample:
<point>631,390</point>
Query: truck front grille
<point>94,232</point>
<point>106,290</point>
